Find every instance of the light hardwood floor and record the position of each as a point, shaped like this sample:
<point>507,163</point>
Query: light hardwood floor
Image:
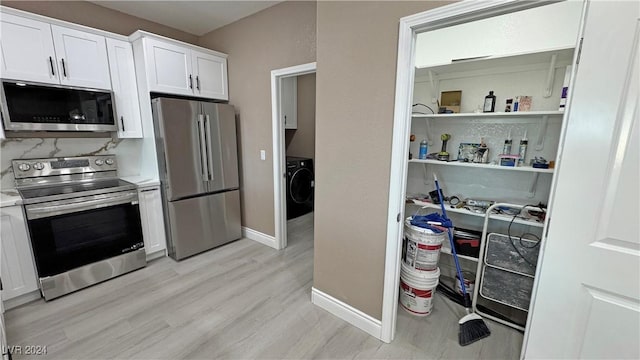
<point>241,301</point>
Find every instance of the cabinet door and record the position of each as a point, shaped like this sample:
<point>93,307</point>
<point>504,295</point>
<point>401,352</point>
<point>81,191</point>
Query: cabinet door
<point>210,73</point>
<point>17,269</point>
<point>152,220</point>
<point>168,68</point>
<point>27,50</point>
<point>289,102</point>
<point>82,58</point>
<point>125,88</point>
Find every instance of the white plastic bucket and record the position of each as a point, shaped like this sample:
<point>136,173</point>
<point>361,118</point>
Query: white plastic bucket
<point>421,247</point>
<point>417,289</point>
<point>469,283</point>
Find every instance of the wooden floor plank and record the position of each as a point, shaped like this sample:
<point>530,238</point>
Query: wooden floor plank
<point>243,300</point>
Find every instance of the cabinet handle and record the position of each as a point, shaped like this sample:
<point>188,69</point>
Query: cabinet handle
<point>64,69</point>
<point>198,83</point>
<point>190,82</point>
<point>53,72</point>
<point>122,122</point>
<point>147,190</point>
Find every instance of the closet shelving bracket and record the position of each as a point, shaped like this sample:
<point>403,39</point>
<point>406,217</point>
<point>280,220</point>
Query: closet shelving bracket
<point>550,76</point>
<point>533,184</point>
<point>434,86</point>
<point>542,132</point>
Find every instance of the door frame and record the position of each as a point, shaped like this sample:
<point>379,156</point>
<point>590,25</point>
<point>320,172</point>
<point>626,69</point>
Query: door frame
<point>409,27</point>
<point>279,161</point>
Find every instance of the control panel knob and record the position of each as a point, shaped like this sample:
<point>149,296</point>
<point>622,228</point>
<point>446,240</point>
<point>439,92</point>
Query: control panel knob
<point>38,166</point>
<point>109,161</point>
<point>24,167</point>
<point>99,162</point>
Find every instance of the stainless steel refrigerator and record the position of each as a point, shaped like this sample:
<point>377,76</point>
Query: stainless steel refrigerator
<point>198,165</point>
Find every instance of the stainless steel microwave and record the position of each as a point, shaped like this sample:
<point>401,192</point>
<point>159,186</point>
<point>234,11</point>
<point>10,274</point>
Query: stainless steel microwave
<point>38,107</point>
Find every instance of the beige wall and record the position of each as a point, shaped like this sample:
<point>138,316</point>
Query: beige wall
<point>357,48</point>
<point>302,141</point>
<point>278,37</point>
<point>95,16</point>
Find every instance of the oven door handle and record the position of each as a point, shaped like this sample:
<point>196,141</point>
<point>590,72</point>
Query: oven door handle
<point>38,211</point>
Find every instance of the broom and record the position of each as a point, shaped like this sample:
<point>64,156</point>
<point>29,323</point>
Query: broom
<point>472,327</point>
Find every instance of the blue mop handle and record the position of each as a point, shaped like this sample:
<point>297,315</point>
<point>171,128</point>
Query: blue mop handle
<point>453,245</point>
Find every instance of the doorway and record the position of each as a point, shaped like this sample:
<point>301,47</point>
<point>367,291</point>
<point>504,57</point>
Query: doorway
<point>410,27</point>
<point>291,137</point>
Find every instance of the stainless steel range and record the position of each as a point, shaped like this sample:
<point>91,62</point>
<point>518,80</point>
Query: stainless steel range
<point>84,222</point>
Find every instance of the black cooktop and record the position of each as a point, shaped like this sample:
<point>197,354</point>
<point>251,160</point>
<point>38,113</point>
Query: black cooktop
<point>60,189</point>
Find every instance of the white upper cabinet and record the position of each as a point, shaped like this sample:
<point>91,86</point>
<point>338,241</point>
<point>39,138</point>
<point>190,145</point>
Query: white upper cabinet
<point>505,35</point>
<point>210,73</point>
<point>289,102</point>
<point>173,67</point>
<point>40,52</point>
<point>125,88</point>
<point>168,67</point>
<point>27,50</point>
<point>82,57</point>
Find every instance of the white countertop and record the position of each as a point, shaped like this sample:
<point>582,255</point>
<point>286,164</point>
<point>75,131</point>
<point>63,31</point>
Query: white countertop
<point>141,181</point>
<point>10,197</point>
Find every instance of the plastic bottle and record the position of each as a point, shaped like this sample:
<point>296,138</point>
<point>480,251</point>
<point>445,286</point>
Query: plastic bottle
<point>506,149</point>
<point>423,149</point>
<point>489,103</point>
<point>523,149</point>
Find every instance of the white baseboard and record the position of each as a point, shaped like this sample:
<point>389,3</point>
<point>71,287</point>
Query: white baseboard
<point>347,313</point>
<point>262,238</point>
<point>22,299</point>
<point>156,255</point>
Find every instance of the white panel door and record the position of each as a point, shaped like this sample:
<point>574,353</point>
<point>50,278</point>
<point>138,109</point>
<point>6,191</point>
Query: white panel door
<point>587,303</point>
<point>82,58</point>
<point>125,88</point>
<point>168,68</point>
<point>211,75</point>
<point>17,268</point>
<point>27,50</point>
<point>152,220</point>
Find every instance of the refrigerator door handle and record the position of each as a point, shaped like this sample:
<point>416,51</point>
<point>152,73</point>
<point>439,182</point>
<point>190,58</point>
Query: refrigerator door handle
<point>203,152</point>
<point>209,148</point>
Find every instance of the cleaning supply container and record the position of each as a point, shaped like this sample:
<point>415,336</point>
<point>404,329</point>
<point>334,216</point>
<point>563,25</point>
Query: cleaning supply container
<point>421,248</point>
<point>469,282</point>
<point>417,289</point>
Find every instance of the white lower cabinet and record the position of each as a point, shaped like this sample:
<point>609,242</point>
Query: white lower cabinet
<point>17,269</point>
<point>150,201</point>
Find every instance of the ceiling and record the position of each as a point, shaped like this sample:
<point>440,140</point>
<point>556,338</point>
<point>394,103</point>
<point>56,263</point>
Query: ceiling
<point>194,17</point>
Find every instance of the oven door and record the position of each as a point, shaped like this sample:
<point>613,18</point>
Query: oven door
<point>67,234</point>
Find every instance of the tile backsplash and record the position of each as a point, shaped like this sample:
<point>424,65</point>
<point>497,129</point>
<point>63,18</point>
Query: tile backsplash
<point>28,148</point>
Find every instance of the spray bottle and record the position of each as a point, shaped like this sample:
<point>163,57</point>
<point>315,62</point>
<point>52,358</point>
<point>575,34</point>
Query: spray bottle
<point>422,154</point>
<point>523,149</point>
<point>506,149</point>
